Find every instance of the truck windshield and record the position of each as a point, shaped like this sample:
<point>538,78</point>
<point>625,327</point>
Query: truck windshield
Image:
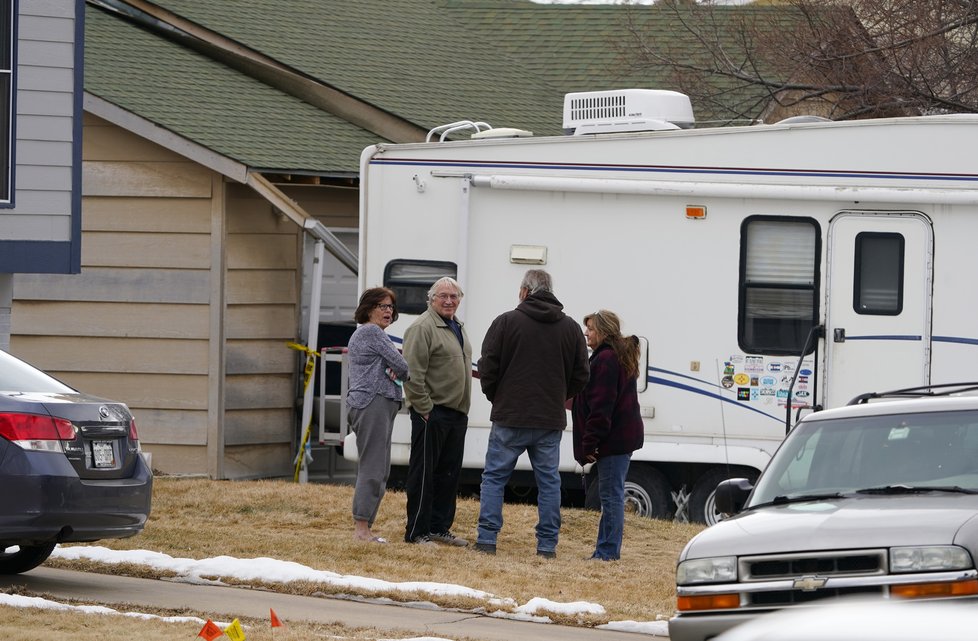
<point>874,455</point>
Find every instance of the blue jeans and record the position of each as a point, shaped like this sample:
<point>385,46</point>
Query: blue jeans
<point>506,444</point>
<point>611,488</point>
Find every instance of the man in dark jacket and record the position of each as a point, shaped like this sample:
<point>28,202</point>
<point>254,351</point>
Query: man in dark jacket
<point>534,359</point>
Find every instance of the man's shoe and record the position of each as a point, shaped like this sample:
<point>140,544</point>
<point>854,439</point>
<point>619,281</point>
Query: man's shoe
<point>448,538</point>
<point>547,554</point>
<point>485,548</point>
<point>421,540</point>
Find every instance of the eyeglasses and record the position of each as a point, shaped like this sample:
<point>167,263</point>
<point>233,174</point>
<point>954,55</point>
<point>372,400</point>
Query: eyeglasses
<point>452,297</point>
<point>387,307</point>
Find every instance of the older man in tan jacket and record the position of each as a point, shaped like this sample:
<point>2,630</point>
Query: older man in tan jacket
<point>439,391</point>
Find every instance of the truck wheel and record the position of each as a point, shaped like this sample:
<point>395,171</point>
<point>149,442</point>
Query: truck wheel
<point>14,559</point>
<point>702,504</point>
<point>646,493</point>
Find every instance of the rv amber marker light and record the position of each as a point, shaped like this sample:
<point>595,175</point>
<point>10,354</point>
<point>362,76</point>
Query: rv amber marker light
<point>708,602</point>
<point>695,212</point>
<point>927,590</point>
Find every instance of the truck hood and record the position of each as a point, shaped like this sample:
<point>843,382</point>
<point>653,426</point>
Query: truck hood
<point>838,524</point>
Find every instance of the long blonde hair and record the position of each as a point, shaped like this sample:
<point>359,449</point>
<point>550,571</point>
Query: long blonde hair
<point>608,326</point>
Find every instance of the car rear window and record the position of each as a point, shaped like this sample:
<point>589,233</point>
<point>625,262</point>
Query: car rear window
<point>18,376</point>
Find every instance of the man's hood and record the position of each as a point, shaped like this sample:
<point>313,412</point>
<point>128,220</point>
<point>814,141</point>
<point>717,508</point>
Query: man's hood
<point>543,307</point>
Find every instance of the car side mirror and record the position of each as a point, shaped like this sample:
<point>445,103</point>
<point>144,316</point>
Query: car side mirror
<point>731,495</point>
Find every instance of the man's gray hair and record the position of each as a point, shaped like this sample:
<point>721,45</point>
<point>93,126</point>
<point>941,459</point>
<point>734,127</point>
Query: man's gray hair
<point>444,280</point>
<point>537,280</point>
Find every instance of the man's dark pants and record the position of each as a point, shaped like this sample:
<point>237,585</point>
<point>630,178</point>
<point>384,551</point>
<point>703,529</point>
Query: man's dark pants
<point>436,462</point>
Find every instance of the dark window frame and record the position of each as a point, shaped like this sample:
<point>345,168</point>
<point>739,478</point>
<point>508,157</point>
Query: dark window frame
<point>857,273</point>
<point>8,68</point>
<point>745,288</point>
<point>407,289</point>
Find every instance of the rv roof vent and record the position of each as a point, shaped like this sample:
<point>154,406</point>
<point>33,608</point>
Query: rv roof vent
<point>502,132</point>
<point>592,112</point>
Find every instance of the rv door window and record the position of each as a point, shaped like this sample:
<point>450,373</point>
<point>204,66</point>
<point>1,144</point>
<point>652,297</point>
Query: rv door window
<point>411,279</point>
<point>878,286</point>
<point>778,284</point>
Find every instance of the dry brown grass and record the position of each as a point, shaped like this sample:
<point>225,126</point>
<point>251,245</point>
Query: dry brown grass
<point>28,624</point>
<point>311,524</point>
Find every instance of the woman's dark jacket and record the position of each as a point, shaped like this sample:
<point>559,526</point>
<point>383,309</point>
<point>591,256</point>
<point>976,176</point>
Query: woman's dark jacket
<point>607,419</point>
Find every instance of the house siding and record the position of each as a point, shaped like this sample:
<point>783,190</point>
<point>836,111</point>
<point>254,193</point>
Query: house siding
<point>185,301</point>
<point>40,226</point>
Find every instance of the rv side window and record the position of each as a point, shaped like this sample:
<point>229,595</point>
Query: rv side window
<point>411,280</point>
<point>878,286</point>
<point>778,284</point>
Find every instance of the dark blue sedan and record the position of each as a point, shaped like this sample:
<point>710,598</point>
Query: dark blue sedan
<point>71,469</point>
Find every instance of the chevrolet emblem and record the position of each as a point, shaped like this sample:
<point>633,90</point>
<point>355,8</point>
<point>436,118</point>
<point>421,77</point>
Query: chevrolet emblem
<point>809,583</point>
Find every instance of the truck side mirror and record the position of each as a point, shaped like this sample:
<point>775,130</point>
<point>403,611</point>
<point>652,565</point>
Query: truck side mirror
<point>731,495</point>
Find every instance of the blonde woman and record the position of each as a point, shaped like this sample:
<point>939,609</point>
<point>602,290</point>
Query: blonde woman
<point>608,424</point>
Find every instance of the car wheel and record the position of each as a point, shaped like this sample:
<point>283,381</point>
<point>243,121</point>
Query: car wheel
<point>646,493</point>
<point>702,500</point>
<point>14,559</point>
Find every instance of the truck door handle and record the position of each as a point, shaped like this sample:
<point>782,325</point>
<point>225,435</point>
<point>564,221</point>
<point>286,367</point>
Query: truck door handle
<point>839,335</point>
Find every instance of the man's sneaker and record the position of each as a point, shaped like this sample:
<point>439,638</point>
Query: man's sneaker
<point>485,548</point>
<point>448,539</point>
<point>424,539</point>
<point>547,554</point>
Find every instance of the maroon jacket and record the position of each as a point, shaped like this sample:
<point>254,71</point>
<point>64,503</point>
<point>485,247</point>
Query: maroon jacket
<point>607,419</point>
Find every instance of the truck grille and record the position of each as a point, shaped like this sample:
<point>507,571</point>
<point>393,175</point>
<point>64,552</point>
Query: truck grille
<point>833,563</point>
<point>829,564</point>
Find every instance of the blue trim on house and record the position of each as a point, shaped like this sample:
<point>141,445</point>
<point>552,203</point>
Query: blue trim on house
<point>74,263</point>
<point>35,257</point>
<point>685,170</point>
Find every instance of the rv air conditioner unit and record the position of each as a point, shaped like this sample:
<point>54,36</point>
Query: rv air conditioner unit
<point>599,112</point>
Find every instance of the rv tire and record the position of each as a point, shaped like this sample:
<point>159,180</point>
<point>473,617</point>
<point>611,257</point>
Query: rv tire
<point>646,493</point>
<point>702,505</point>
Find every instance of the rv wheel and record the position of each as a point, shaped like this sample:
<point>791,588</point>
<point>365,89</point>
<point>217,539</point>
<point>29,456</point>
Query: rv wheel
<point>702,500</point>
<point>646,493</point>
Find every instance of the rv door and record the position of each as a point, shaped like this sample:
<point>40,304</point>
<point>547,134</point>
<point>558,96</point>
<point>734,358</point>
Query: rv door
<point>878,303</point>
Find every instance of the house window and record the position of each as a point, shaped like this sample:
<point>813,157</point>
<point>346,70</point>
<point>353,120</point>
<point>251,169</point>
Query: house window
<point>878,286</point>
<point>411,280</point>
<point>6,94</point>
<point>778,284</point>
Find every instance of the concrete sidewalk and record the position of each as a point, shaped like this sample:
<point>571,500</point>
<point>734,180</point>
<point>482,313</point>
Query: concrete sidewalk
<point>226,603</point>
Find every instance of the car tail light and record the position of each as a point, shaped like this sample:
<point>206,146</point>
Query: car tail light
<point>133,435</point>
<point>36,432</point>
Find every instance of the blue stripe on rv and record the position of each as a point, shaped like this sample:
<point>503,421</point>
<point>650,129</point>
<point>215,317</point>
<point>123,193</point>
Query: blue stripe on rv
<point>667,169</point>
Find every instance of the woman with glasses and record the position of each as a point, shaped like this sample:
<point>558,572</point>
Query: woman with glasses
<point>608,424</point>
<point>377,371</point>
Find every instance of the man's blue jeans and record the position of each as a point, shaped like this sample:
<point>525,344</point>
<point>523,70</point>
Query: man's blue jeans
<point>506,444</point>
<point>611,488</point>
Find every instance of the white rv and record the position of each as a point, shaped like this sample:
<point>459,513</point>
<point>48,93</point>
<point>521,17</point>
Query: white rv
<point>771,270</point>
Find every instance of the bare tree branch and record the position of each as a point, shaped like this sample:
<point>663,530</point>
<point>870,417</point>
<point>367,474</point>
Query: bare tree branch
<point>838,58</point>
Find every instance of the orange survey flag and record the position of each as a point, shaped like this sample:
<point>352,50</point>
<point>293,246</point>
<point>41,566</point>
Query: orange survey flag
<point>210,631</point>
<point>276,622</point>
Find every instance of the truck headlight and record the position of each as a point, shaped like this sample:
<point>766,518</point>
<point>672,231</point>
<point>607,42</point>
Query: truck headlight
<point>930,558</point>
<point>720,569</point>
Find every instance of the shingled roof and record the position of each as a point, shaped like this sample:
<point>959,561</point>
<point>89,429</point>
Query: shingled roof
<point>422,62</point>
